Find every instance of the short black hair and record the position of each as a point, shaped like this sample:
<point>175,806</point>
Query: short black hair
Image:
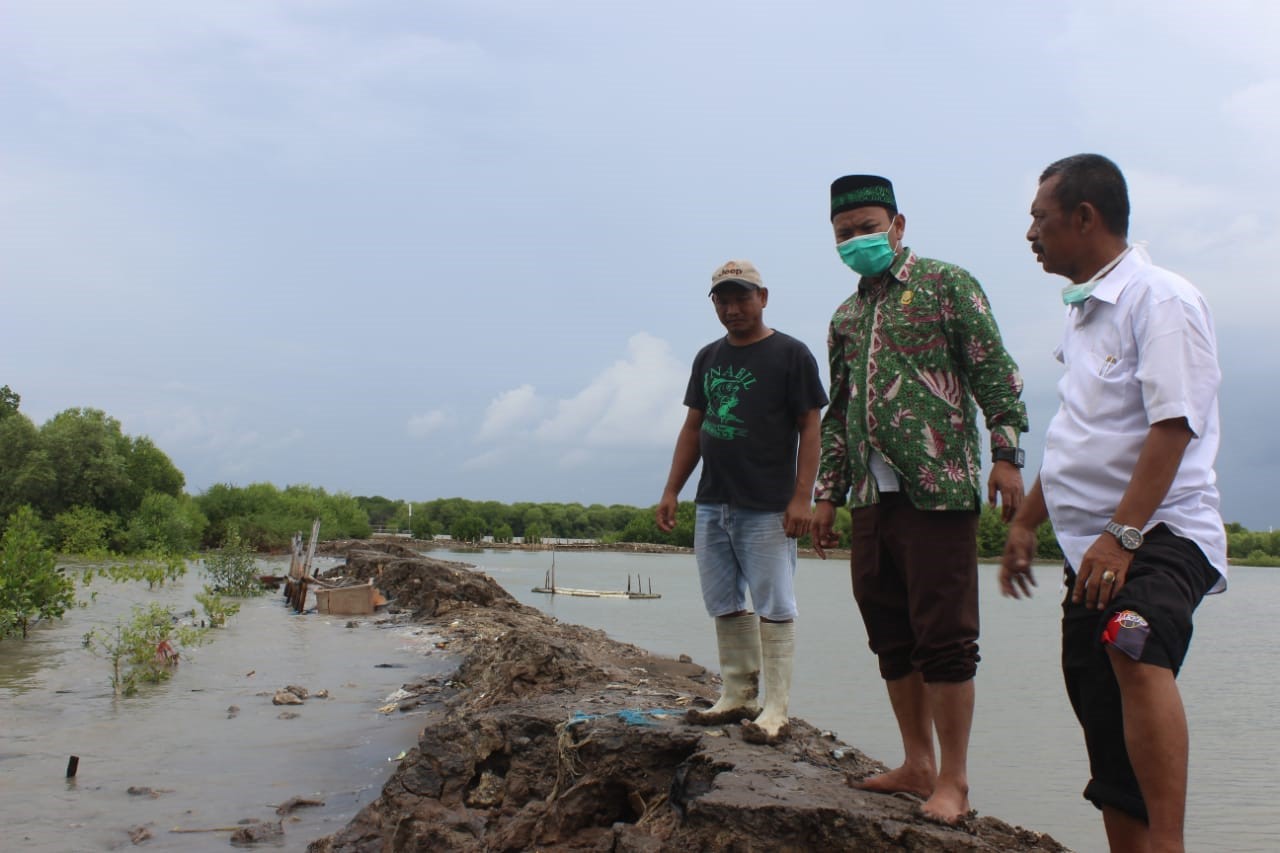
<point>1094,179</point>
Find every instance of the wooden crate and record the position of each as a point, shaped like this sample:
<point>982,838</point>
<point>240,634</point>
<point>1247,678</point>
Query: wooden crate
<point>346,600</point>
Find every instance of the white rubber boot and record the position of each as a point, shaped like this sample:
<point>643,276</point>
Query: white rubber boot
<point>778,652</point>
<point>739,640</point>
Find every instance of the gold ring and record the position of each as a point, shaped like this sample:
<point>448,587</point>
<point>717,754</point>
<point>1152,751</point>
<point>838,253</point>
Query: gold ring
<point>1108,576</point>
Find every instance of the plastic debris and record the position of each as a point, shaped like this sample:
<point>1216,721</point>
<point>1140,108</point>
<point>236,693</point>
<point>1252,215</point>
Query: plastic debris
<point>630,716</point>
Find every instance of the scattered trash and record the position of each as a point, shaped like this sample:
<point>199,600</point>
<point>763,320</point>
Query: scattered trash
<point>630,716</point>
<point>293,803</point>
<point>143,791</point>
<point>258,833</point>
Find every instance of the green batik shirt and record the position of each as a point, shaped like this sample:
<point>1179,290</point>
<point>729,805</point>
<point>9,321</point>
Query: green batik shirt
<point>910,352</point>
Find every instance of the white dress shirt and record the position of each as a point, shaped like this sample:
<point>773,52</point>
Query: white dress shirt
<point>1141,349</point>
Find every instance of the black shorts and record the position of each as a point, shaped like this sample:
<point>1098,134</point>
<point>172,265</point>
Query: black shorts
<point>1150,621</point>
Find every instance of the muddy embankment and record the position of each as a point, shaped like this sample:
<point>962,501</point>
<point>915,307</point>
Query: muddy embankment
<point>555,737</point>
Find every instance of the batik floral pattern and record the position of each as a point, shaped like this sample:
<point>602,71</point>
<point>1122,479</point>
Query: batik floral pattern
<point>914,353</point>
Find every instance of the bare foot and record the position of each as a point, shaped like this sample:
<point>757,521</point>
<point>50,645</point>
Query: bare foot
<point>949,803</point>
<point>908,780</point>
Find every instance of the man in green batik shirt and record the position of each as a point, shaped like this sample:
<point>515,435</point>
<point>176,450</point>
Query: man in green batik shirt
<point>910,351</point>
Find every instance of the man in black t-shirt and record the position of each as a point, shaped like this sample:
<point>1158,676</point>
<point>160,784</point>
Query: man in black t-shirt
<point>754,400</point>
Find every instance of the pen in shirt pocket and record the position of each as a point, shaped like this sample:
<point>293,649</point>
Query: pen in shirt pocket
<point>1107,364</point>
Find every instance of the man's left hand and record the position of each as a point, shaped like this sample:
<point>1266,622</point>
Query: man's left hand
<point>1005,481</point>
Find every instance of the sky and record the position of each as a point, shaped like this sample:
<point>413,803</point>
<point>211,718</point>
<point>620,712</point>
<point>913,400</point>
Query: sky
<point>446,249</point>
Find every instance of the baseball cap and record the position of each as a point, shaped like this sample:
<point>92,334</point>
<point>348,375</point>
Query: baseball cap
<point>737,272</point>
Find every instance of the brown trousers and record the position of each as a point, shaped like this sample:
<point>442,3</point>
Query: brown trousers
<point>915,578</point>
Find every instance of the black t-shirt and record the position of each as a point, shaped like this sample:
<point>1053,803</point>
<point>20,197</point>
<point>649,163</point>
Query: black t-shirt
<point>751,397</point>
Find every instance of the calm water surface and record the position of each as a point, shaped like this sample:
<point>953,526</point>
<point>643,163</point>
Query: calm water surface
<point>177,738</point>
<point>1027,762</point>
<point>1027,759</point>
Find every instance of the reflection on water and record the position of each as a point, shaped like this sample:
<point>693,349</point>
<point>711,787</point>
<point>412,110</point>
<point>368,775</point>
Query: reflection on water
<point>211,767</point>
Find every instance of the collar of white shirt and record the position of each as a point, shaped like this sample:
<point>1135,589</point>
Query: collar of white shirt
<point>1113,283</point>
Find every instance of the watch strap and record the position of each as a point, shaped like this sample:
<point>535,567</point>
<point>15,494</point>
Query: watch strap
<point>1016,455</point>
<point>1130,538</point>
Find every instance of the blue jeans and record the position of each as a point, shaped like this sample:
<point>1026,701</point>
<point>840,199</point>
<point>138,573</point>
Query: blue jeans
<point>741,550</point>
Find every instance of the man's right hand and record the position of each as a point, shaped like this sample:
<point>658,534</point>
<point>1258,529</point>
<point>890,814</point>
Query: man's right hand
<point>823,531</point>
<point>665,514</point>
<point>1016,578</point>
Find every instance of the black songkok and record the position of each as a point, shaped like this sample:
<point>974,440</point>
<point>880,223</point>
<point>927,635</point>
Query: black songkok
<point>853,191</point>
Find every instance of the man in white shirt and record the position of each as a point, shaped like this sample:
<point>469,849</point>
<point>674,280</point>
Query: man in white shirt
<point>1128,484</point>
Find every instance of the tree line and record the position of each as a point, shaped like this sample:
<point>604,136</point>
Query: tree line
<point>93,488</point>
<point>476,521</point>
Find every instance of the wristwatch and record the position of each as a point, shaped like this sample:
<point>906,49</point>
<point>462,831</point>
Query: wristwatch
<point>1130,537</point>
<point>1016,455</point>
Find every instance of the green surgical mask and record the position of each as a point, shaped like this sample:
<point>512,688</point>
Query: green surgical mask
<point>1075,293</point>
<point>870,254</point>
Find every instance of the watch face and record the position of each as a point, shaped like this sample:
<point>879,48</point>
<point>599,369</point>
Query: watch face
<point>1131,538</point>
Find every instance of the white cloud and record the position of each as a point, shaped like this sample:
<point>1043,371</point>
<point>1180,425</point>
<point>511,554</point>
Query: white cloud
<point>202,430</point>
<point>488,459</point>
<point>420,426</point>
<point>314,77</point>
<point>1254,107</point>
<point>510,413</point>
<point>1171,211</point>
<point>633,402</point>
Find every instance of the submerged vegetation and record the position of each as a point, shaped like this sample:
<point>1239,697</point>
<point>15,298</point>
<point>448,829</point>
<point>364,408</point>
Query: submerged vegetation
<point>144,648</point>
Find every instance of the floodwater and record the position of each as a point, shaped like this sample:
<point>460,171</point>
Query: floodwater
<point>210,768</point>
<point>1027,761</point>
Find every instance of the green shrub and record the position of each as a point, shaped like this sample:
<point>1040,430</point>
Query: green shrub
<point>166,523</point>
<point>143,649</point>
<point>31,586</point>
<point>156,569</point>
<point>1257,558</point>
<point>83,530</point>
<point>233,569</point>
<point>216,608</point>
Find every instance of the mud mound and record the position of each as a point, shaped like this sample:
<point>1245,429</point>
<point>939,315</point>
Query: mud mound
<point>554,737</point>
<point>341,547</point>
<point>423,586</point>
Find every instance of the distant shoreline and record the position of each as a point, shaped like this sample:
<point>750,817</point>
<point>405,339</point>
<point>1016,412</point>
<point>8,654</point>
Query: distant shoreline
<point>620,547</point>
